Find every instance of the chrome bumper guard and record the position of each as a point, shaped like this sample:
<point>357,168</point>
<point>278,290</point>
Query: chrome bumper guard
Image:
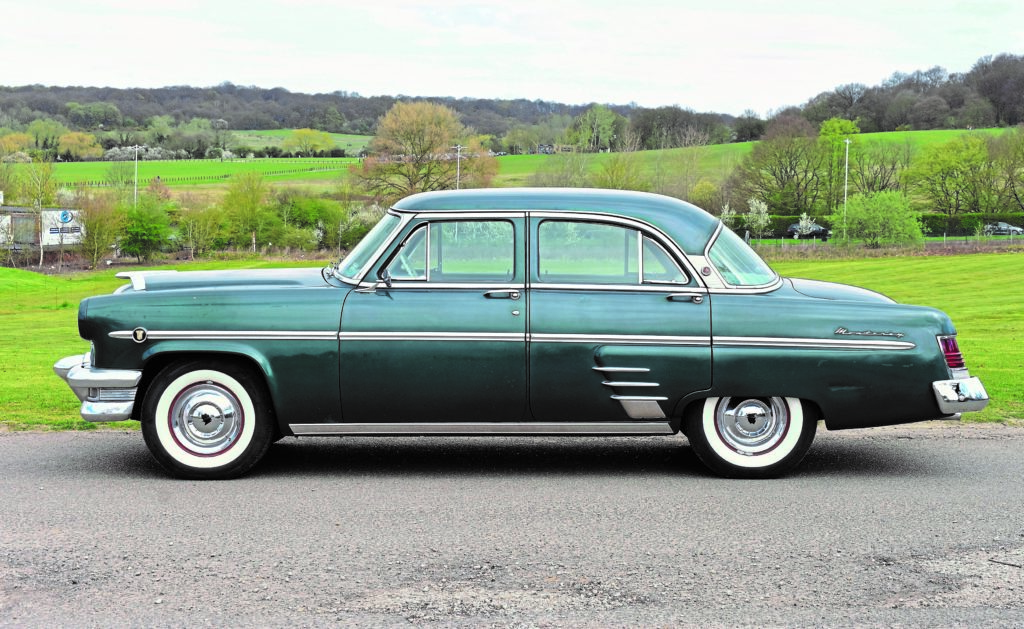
<point>960,396</point>
<point>107,395</point>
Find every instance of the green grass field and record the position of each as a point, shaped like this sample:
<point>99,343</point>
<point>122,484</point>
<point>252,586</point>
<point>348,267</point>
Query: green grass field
<point>353,144</point>
<point>205,172</point>
<point>38,324</point>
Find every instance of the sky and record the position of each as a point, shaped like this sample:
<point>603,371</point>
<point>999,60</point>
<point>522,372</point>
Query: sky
<point>726,56</point>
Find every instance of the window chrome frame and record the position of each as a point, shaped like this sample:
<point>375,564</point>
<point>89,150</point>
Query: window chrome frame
<point>426,218</point>
<point>644,229</point>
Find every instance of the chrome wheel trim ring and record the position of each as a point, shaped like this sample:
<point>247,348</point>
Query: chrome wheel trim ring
<point>752,426</point>
<point>206,419</point>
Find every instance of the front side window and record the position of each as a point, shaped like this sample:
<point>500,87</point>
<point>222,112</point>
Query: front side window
<point>573,252</point>
<point>738,264</point>
<point>457,251</point>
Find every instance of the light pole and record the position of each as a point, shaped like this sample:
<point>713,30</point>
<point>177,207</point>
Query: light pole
<point>458,164</point>
<point>137,147</point>
<point>846,187</point>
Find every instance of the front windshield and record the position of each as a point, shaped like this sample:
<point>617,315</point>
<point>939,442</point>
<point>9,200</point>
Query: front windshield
<point>738,263</point>
<point>352,266</point>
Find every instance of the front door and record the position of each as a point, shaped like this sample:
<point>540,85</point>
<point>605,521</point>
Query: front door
<point>446,341</point>
<point>618,330</point>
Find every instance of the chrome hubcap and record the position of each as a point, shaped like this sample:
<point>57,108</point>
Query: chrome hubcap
<point>206,418</point>
<point>752,426</point>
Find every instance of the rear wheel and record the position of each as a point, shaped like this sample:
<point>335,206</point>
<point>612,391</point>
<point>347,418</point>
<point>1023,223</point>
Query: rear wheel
<point>207,420</point>
<point>743,437</point>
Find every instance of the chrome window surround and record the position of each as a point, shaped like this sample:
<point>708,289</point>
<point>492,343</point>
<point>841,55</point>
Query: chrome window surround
<point>640,281</point>
<point>429,237</point>
<point>713,283</point>
<point>408,217</point>
<point>657,236</point>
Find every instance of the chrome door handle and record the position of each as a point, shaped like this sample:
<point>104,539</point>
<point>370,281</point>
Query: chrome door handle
<point>502,294</point>
<point>691,297</point>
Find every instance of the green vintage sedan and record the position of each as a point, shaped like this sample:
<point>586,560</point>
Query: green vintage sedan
<point>515,312</point>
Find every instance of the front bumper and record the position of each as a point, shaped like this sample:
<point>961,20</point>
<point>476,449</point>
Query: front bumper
<point>107,395</point>
<point>960,396</point>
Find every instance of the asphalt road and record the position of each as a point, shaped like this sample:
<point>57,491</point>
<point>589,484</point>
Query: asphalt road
<point>919,526</point>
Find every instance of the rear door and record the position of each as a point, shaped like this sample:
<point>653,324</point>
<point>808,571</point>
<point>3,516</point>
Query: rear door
<point>618,329</point>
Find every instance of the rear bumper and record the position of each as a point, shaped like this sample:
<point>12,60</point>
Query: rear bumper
<point>960,396</point>
<point>107,395</point>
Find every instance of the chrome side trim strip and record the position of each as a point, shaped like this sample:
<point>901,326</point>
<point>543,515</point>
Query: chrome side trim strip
<point>622,339</point>
<point>422,284</point>
<point>609,383</point>
<point>231,335</point>
<point>518,337</point>
<point>622,369</point>
<point>663,287</point>
<point>485,428</point>
<point>805,343</point>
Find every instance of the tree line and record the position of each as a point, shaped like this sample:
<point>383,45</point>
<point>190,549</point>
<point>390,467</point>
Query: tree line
<point>192,119</point>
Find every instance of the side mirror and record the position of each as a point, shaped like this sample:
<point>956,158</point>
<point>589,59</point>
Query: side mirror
<point>385,276</point>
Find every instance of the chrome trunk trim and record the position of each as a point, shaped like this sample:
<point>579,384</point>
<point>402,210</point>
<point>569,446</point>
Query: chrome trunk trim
<point>484,428</point>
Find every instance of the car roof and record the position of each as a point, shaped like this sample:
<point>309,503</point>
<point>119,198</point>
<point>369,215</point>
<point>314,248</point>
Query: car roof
<point>690,226</point>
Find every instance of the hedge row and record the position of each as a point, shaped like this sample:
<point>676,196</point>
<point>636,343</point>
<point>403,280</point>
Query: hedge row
<point>933,224</point>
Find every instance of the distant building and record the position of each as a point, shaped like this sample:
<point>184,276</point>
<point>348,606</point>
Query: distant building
<point>19,227</point>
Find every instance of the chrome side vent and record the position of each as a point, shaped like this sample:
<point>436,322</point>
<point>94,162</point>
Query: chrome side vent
<point>635,406</point>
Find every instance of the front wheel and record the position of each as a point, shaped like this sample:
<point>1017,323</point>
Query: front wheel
<point>741,437</point>
<point>207,420</point>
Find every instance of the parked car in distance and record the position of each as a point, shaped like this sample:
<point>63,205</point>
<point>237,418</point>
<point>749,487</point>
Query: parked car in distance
<point>814,230</point>
<point>1003,229</point>
<point>514,312</point>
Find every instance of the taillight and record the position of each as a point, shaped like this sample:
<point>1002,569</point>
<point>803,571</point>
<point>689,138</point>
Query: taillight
<point>954,359</point>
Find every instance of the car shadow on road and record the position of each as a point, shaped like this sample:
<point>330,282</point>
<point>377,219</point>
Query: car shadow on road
<point>526,456</point>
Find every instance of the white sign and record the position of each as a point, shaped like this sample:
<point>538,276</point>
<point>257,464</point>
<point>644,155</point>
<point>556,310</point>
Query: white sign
<point>60,227</point>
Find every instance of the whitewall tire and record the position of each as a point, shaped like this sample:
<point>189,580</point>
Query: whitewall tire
<point>745,437</point>
<point>207,420</point>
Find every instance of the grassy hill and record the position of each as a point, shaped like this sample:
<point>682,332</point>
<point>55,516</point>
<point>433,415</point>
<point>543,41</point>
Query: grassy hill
<point>711,162</point>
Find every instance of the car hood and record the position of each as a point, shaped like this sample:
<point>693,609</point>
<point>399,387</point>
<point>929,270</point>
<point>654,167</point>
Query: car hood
<point>155,281</point>
<point>838,292</point>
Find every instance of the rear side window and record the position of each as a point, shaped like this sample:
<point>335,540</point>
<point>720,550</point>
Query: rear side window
<point>578,252</point>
